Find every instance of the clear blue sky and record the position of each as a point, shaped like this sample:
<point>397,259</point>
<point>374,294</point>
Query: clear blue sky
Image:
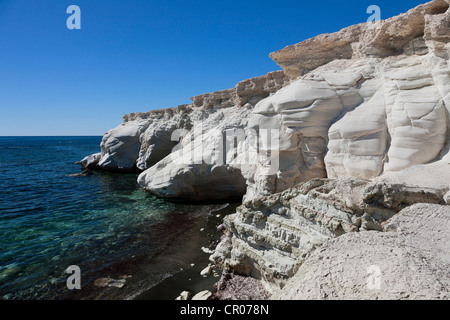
<point>140,55</point>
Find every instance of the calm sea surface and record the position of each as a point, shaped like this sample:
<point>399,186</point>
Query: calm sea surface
<point>124,240</point>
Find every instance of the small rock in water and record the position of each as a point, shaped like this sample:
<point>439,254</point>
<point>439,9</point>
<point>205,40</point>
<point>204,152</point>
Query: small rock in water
<point>184,295</point>
<point>207,271</point>
<point>10,271</point>
<point>85,173</point>
<point>206,250</point>
<point>109,282</point>
<point>7,296</point>
<point>202,295</point>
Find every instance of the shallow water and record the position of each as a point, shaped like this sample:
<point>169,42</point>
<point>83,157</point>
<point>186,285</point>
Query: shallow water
<point>124,240</point>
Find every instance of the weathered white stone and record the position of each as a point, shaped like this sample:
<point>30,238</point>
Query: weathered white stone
<point>271,236</point>
<point>200,167</point>
<point>91,161</point>
<point>202,295</point>
<point>207,270</point>
<point>358,142</point>
<point>183,296</point>
<point>120,146</point>
<point>409,261</point>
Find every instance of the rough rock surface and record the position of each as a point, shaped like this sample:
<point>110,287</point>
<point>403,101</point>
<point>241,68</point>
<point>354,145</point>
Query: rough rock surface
<point>271,236</point>
<point>236,287</point>
<point>408,261</point>
<point>378,39</point>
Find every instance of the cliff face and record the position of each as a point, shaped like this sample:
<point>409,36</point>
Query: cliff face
<point>377,101</point>
<point>374,99</point>
<point>270,237</point>
<point>354,129</point>
<point>145,138</point>
<point>374,121</point>
<point>409,260</point>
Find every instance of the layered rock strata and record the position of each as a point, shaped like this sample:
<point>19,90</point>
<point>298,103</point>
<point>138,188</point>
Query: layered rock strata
<point>145,138</point>
<point>382,38</point>
<point>268,238</point>
<point>409,260</point>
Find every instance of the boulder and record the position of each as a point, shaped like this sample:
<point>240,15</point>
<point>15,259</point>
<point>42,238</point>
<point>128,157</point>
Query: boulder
<point>90,162</point>
<point>202,295</point>
<point>120,146</point>
<point>184,295</point>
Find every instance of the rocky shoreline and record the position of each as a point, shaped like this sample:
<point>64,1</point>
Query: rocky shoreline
<point>341,162</point>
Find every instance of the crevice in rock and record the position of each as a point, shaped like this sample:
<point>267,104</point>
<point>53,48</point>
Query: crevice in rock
<point>439,9</point>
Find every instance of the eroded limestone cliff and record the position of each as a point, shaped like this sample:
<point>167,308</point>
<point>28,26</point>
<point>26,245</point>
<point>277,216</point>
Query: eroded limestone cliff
<point>351,134</point>
<point>375,99</point>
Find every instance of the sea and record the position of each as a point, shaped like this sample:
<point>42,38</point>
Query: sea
<point>126,243</point>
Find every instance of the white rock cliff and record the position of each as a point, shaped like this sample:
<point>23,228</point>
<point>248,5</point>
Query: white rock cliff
<point>354,130</point>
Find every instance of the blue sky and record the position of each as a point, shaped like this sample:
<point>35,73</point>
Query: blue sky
<point>138,55</point>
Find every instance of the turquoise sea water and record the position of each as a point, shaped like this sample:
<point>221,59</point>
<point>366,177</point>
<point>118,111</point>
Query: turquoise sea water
<point>104,223</point>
